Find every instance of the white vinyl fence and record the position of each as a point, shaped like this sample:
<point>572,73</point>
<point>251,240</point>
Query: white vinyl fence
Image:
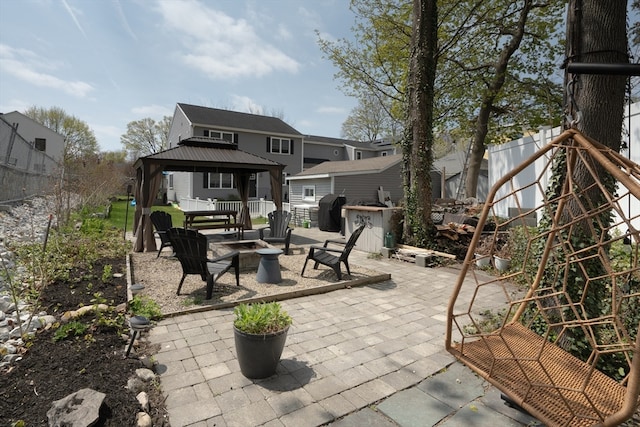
<point>257,208</point>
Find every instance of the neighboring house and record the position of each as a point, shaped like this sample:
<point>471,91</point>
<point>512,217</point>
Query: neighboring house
<point>41,137</point>
<point>451,167</point>
<point>357,180</point>
<point>319,149</point>
<point>267,137</point>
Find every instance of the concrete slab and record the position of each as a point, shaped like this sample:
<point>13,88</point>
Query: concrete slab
<point>456,387</point>
<point>365,417</point>
<point>414,408</point>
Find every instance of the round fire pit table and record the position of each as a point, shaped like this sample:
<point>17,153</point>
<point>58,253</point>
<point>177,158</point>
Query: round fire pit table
<point>269,267</point>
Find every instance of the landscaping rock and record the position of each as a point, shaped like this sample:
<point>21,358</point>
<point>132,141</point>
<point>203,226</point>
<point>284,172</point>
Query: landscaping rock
<point>79,409</point>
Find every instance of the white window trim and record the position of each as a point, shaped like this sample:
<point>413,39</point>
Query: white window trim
<point>277,148</point>
<point>220,187</point>
<point>358,155</point>
<point>311,197</point>
<point>221,134</point>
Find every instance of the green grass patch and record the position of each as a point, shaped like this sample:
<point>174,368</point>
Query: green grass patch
<point>121,209</point>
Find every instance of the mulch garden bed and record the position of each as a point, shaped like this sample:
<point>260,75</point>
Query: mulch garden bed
<point>51,370</point>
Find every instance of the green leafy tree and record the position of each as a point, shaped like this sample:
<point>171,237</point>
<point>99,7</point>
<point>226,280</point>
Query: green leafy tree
<point>79,140</point>
<point>146,136</point>
<point>494,61</point>
<point>370,120</point>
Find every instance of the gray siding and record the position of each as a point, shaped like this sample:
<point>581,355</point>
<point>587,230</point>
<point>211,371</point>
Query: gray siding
<point>327,152</point>
<point>364,188</point>
<point>323,187</point>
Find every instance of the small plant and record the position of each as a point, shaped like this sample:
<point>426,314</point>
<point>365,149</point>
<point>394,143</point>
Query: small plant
<point>71,329</point>
<point>484,246</point>
<point>142,305</point>
<point>262,318</point>
<point>107,273</point>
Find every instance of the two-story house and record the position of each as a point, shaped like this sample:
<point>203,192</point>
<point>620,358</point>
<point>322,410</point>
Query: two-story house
<point>264,136</point>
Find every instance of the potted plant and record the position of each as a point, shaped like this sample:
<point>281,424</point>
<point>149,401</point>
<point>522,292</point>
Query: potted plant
<point>502,257</point>
<point>482,251</point>
<point>260,331</point>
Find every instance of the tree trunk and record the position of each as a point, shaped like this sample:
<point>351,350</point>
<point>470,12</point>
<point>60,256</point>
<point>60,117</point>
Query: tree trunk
<point>601,38</point>
<point>494,87</point>
<point>418,226</point>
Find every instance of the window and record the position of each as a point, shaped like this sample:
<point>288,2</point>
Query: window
<point>225,136</point>
<point>219,180</point>
<point>383,154</point>
<point>358,155</point>
<point>279,145</point>
<point>170,184</point>
<point>40,144</point>
<point>309,193</point>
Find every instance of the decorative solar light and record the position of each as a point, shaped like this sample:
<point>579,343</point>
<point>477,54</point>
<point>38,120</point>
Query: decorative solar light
<point>137,324</point>
<point>136,288</point>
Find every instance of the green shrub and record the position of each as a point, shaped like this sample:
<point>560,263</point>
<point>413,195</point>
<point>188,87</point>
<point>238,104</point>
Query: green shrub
<point>261,318</point>
<point>142,305</point>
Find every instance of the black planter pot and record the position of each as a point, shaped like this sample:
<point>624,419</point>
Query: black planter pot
<point>258,355</point>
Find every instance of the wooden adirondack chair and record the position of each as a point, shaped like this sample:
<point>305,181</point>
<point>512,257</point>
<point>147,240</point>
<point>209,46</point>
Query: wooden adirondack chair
<point>191,250</point>
<point>278,230</point>
<point>162,223</point>
<point>333,257</point>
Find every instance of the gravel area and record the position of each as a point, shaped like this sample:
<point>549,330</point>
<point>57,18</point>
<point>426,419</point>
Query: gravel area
<point>161,276</point>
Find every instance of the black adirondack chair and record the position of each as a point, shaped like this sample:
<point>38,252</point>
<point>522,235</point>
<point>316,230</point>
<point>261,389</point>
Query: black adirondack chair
<point>162,223</point>
<point>278,230</point>
<point>191,250</point>
<point>333,257</point>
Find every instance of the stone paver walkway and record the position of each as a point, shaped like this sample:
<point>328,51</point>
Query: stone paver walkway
<point>371,355</point>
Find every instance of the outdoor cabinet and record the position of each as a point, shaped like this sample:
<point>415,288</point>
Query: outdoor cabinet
<point>378,224</point>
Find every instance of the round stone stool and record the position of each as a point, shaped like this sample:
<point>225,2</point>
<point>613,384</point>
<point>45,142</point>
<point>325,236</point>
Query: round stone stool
<point>269,267</point>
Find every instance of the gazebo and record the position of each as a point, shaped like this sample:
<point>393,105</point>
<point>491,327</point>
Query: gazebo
<point>198,155</point>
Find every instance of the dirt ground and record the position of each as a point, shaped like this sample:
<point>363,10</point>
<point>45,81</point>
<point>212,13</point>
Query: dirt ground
<point>52,370</point>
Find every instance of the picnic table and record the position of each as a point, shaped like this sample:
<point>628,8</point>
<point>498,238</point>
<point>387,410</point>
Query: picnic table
<point>213,219</point>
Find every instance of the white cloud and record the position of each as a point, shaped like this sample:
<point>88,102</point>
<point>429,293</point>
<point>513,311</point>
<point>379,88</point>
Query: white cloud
<point>74,18</point>
<point>246,104</point>
<point>107,133</point>
<point>156,112</point>
<point>23,64</point>
<point>220,46</point>
<point>15,105</point>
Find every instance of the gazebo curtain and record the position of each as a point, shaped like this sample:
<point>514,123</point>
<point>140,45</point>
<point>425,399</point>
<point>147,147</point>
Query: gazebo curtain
<point>242,182</point>
<point>148,187</point>
<point>276,187</point>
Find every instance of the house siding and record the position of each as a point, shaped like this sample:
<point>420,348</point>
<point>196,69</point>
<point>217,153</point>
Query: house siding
<point>323,187</point>
<point>29,129</point>
<point>364,188</point>
<point>180,128</point>
<point>181,186</point>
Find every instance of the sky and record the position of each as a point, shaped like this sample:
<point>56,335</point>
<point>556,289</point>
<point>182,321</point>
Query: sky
<point>110,62</point>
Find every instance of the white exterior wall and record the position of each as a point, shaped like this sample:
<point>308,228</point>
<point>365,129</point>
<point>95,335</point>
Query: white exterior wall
<point>505,157</point>
<point>30,130</point>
